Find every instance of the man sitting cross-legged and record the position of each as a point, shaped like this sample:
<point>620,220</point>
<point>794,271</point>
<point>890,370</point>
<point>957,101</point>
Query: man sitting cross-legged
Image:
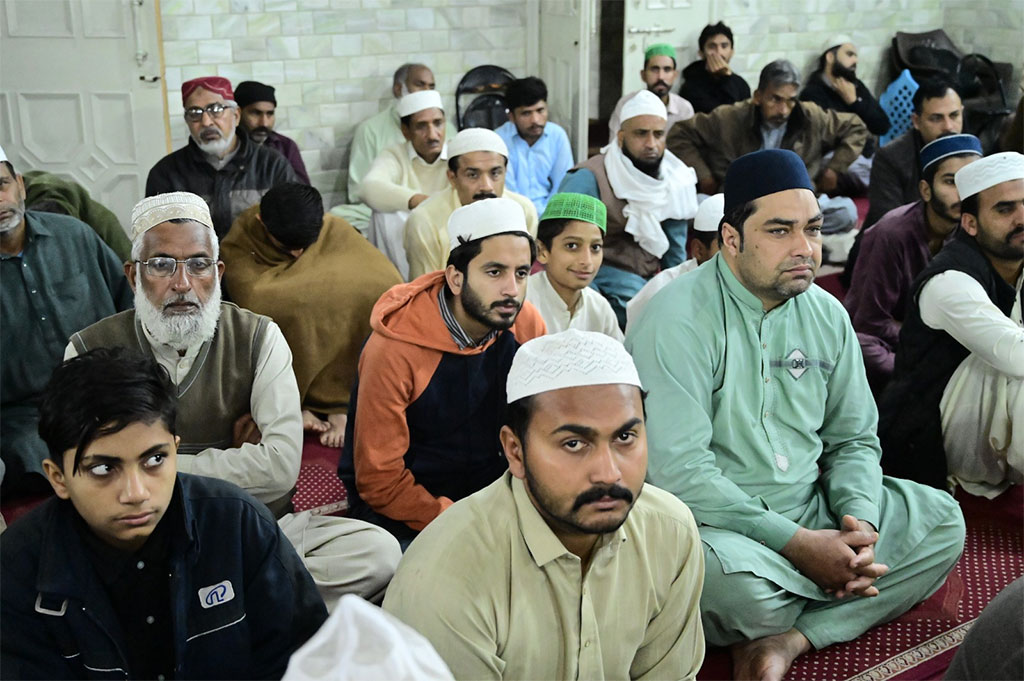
<point>426,411</point>
<point>135,571</point>
<point>240,418</point>
<point>806,542</point>
<point>318,278</point>
<point>568,566</point>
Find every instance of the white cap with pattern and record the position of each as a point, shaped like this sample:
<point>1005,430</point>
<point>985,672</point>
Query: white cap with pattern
<point>988,172</point>
<point>414,102</point>
<point>154,210</point>
<point>643,103</point>
<point>569,359</point>
<point>476,139</point>
<point>484,218</point>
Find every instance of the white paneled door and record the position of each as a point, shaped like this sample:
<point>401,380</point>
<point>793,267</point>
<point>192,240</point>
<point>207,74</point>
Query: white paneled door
<point>565,32</point>
<point>81,94</point>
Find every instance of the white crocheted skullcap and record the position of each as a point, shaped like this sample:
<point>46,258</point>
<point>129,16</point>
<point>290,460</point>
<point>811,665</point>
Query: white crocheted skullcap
<point>709,214</point>
<point>644,103</point>
<point>569,359</point>
<point>154,210</point>
<point>476,139</point>
<point>836,41</point>
<point>3,155</point>
<point>358,642</point>
<point>484,218</point>
<point>988,172</point>
<point>414,102</point>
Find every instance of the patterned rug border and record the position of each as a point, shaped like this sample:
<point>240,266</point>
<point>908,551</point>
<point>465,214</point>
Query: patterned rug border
<point>917,655</point>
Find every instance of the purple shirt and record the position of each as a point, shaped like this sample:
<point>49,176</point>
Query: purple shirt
<point>892,253</point>
<point>287,148</point>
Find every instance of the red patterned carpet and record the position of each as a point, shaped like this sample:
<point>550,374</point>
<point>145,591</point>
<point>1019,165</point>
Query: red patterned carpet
<point>920,644</point>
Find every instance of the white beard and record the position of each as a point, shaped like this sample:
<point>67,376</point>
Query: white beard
<point>179,331</point>
<point>15,218</point>
<point>218,146</point>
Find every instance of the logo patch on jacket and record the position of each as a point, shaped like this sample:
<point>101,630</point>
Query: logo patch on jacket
<point>797,363</point>
<point>217,594</point>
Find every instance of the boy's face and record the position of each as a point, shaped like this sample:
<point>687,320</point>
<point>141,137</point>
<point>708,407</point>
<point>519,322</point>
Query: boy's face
<point>575,255</point>
<point>124,482</point>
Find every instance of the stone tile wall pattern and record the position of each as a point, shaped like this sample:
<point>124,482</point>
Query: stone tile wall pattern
<point>332,60</point>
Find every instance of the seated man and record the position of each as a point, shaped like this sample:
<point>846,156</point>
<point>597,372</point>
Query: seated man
<point>570,243</point>
<point>650,195</point>
<point>477,161</point>
<point>955,406</point>
<point>287,260</point>
<point>658,74</point>
<point>896,168</point>
<point>703,246</point>
<point>709,82</point>
<point>428,401</point>
<point>377,133</point>
<point>258,106</point>
<point>834,86</point>
<point>220,163</point>
<point>539,151</point>
<point>57,277</point>
<point>775,119</point>
<point>404,175</point>
<point>48,193</point>
<point>806,543</point>
<point>895,250</point>
<point>104,578</point>
<point>239,417</point>
<point>568,566</point>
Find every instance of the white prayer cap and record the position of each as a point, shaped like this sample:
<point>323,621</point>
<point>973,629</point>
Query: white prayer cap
<point>643,103</point>
<point>476,139</point>
<point>3,155</point>
<point>414,102</point>
<point>988,172</point>
<point>154,210</point>
<point>710,213</point>
<point>569,359</point>
<point>484,218</point>
<point>836,41</point>
<point>361,642</point>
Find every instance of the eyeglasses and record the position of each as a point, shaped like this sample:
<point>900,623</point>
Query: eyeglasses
<point>166,267</point>
<point>195,113</point>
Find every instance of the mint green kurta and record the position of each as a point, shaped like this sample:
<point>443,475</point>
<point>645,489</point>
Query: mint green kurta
<point>744,407</point>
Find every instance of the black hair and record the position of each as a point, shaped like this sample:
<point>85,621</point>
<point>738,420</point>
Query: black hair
<point>463,254</point>
<point>525,92</point>
<point>711,30</point>
<point>293,214</point>
<point>736,216</point>
<point>821,60</point>
<point>706,238</point>
<point>517,417</point>
<point>99,393</point>
<point>969,205</point>
<point>548,229</point>
<point>928,175</point>
<point>10,167</point>
<point>935,87</point>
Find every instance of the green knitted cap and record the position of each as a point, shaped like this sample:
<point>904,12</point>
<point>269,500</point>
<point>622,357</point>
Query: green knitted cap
<point>660,50</point>
<point>581,207</point>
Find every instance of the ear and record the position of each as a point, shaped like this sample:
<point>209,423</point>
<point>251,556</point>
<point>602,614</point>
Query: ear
<point>620,136</point>
<point>697,250</point>
<point>513,449</point>
<point>830,58</point>
<point>454,279</point>
<point>924,190</point>
<point>451,177</point>
<point>406,132</point>
<point>129,272</point>
<point>969,223</point>
<point>542,253</point>
<point>730,239</point>
<point>642,71</point>
<point>55,475</point>
<point>915,120</point>
<point>220,269</point>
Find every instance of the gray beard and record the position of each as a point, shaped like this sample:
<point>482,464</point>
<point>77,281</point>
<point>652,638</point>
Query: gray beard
<point>12,222</point>
<point>217,147</point>
<point>178,331</point>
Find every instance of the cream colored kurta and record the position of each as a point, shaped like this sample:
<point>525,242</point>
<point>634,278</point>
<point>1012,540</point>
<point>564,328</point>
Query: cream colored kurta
<point>498,595</point>
<point>592,313</point>
<point>398,174</point>
<point>426,231</point>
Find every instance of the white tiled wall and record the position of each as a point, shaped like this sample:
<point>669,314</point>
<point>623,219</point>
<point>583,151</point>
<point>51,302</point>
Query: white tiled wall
<point>332,60</point>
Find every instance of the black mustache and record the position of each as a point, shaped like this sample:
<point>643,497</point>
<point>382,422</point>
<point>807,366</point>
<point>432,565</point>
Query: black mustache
<point>484,195</point>
<point>598,493</point>
<point>507,301</point>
